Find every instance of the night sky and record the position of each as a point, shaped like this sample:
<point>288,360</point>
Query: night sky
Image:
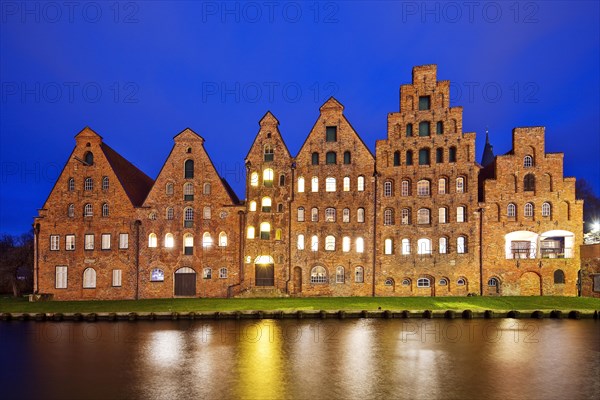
<point>138,73</point>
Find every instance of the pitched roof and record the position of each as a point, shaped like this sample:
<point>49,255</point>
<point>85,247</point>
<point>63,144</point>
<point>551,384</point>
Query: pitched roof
<point>230,191</point>
<point>136,183</point>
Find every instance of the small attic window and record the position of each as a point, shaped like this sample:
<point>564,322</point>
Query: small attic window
<point>189,150</point>
<point>89,158</point>
<point>268,135</point>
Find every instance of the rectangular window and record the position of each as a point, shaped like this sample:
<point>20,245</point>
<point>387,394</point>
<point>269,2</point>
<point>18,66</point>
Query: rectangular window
<point>596,278</point>
<point>424,103</point>
<point>123,240</point>
<point>520,248</point>
<point>89,242</point>
<point>314,215</point>
<point>331,134</point>
<point>106,241</point>
<point>61,278</point>
<point>70,242</point>
<point>442,216</point>
<point>54,242</point>
<point>301,214</point>
<point>116,278</point>
<point>460,214</point>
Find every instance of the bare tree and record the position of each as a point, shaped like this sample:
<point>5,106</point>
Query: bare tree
<point>16,263</point>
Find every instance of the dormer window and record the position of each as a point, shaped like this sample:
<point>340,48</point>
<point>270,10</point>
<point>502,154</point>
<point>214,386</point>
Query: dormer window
<point>424,103</point>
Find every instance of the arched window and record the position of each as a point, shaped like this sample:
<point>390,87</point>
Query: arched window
<point>169,240</point>
<point>423,283</point>
<point>282,180</point>
<point>528,161</point>
<point>546,210</point>
<point>300,242</point>
<point>423,216</point>
<point>424,157</point>
<point>105,210</point>
<point>511,210</point>
<point>461,214</point>
<point>452,154</point>
<point>330,243</point>
<point>340,275</point>
<point>152,240</point>
<point>206,188</point>
<point>346,215</point>
<point>493,282</point>
<point>252,206</point>
<point>188,244</point>
<point>250,232</point>
<point>443,245</point>
<point>528,210</point>
<point>396,158</point>
<point>89,158</point>
<point>301,185</point>
<point>388,188</point>
<point>314,243</point>
<point>89,278</point>
<point>439,128</point>
<point>207,273</point>
<point>423,187</point>
<point>439,155</point>
<point>268,177</point>
<point>424,246</point>
<point>359,275</point>
<point>360,215</point>
<point>222,239</point>
<point>278,233</point>
<point>265,231</point>
<point>405,188</point>
<point>188,217</point>
<point>223,273</point>
<point>254,179</point>
<point>188,168</point>
<point>360,183</point>
<point>206,240</point>
<point>330,184</point>
<point>346,184</point>
<point>314,184</point>
<point>157,275</point>
<point>405,216</point>
<point>265,204</point>
<point>207,212</point>
<point>388,216</point>
<point>315,158</point>
<point>529,183</point>
<point>442,215</point>
<point>330,214</point>
<point>300,214</point>
<point>268,153</point>
<point>461,282</point>
<point>409,130</point>
<point>280,207</point>
<point>71,185</point>
<point>88,211</point>
<point>318,275</point>
<point>388,246</point>
<point>559,276</point>
<point>360,245</point>
<point>347,158</point>
<point>409,157</point>
<point>405,246</point>
<point>346,244</point>
<point>460,184</point>
<point>405,282</point>
<point>443,282</point>
<point>188,191</point>
<point>424,128</point>
<point>169,213</point>
<point>461,245</point>
<point>331,157</point>
<point>105,183</point>
<point>71,211</point>
<point>88,184</point>
<point>314,214</point>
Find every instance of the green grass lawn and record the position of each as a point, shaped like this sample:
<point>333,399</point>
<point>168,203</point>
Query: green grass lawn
<point>292,304</point>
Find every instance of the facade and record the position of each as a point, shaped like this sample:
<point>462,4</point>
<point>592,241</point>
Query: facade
<point>590,270</point>
<point>419,218</point>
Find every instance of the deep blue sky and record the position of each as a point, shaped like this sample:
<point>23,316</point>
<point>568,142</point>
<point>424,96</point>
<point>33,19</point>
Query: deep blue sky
<point>140,72</point>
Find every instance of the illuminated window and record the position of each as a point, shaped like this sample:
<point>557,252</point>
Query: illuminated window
<point>265,231</point>
<point>314,184</point>
<point>360,183</point>
<point>88,211</point>
<point>423,246</point>
<point>314,243</point>
<point>318,275</point>
<point>206,240</point>
<point>250,232</point>
<point>206,188</point>
<point>254,179</point>
<point>388,246</point>
<point>300,242</point>
<point>54,242</point>
<point>346,244</point>
<point>223,273</point>
<point>70,242</point>
<point>123,240</point>
<point>268,175</point>
<point>339,274</point>
<point>152,240</point>
<point>461,245</point>
<point>346,183</point>
<point>169,240</point>
<point>188,217</point>
<point>443,245</point>
<point>405,216</point>
<point>71,211</point>
<point>300,185</point>
<point>207,273</point>
<point>405,246</point>
<point>157,275</point>
<point>360,245</point>
<point>252,206</point>
<point>188,191</point>
<point>265,204</point>
<point>330,185</point>
<point>188,244</point>
<point>330,243</point>
<point>222,239</point>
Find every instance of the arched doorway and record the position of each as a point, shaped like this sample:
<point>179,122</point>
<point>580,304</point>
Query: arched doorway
<point>297,280</point>
<point>264,271</point>
<point>530,284</point>
<point>185,282</point>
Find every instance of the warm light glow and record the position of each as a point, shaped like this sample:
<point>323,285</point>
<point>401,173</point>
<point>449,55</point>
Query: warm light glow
<point>595,226</point>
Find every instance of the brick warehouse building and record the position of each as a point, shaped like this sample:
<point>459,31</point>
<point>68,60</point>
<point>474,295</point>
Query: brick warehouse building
<point>419,218</point>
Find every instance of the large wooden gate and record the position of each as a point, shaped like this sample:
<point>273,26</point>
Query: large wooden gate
<point>264,274</point>
<point>185,282</point>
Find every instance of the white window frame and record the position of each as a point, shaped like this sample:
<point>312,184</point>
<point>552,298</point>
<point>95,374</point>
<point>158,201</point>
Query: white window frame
<point>54,242</point>
<point>360,184</point>
<point>69,242</point>
<point>346,184</point>
<point>105,240</point>
<point>300,242</point>
<point>314,184</point>
<point>123,241</point>
<point>442,215</point>
<point>346,244</point>
<point>329,243</point>
<point>61,277</point>
<point>330,184</point>
<point>88,241</point>
<point>117,277</point>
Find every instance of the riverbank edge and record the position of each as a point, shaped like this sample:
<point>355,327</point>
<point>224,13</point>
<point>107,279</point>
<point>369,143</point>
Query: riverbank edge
<point>300,314</point>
